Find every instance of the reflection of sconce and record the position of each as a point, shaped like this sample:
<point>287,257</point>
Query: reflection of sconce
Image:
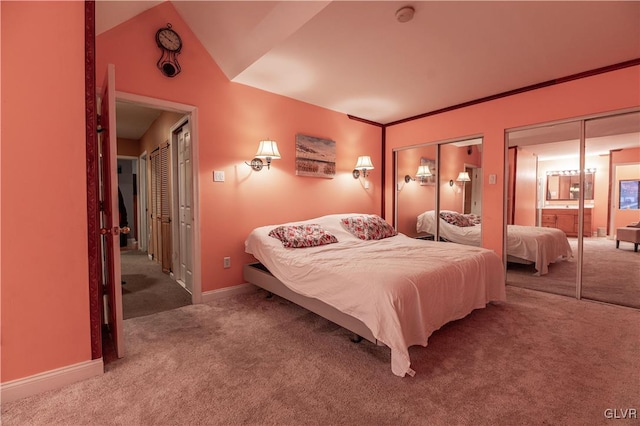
<point>462,177</point>
<point>362,165</point>
<point>422,173</point>
<point>269,151</point>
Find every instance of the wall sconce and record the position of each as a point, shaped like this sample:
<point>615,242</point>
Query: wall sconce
<point>462,177</point>
<point>268,150</point>
<point>422,173</point>
<point>362,165</point>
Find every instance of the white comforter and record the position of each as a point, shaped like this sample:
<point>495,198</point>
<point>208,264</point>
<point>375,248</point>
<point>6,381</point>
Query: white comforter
<point>403,289</point>
<point>539,245</point>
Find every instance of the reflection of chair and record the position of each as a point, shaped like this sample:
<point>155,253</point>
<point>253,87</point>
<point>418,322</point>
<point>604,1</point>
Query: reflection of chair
<point>629,234</point>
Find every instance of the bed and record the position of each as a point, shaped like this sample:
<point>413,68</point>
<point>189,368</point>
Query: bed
<point>525,244</point>
<point>391,289</point>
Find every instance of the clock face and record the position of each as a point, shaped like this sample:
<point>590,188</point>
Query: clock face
<point>169,39</point>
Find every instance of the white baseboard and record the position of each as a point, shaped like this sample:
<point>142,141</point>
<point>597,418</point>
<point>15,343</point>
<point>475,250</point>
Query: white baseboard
<point>209,296</point>
<point>49,380</point>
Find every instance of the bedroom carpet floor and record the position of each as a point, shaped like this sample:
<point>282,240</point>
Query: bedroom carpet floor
<point>609,274</point>
<point>535,359</point>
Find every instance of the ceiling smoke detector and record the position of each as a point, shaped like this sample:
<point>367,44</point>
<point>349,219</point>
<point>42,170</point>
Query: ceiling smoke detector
<point>405,14</point>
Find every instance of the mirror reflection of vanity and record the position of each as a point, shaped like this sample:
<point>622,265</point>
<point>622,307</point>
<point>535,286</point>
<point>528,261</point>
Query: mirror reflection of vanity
<point>565,185</point>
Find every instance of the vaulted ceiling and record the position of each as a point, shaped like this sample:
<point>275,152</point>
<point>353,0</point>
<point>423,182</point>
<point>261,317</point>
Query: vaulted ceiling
<point>355,57</point>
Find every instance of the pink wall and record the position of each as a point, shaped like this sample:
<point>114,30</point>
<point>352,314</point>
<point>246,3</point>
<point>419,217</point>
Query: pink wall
<point>45,297</point>
<point>232,120</point>
<point>600,93</point>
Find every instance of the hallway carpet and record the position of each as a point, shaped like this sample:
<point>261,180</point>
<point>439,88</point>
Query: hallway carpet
<point>148,290</point>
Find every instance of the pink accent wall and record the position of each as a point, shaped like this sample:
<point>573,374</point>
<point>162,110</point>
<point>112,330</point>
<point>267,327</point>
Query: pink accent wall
<point>600,93</point>
<point>44,273</point>
<point>233,118</point>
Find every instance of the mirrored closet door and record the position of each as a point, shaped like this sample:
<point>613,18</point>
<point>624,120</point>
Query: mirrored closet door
<point>440,180</point>
<point>610,264</point>
<point>543,161</point>
<point>575,177</point>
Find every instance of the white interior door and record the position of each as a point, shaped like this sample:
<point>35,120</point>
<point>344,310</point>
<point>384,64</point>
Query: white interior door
<point>185,201</point>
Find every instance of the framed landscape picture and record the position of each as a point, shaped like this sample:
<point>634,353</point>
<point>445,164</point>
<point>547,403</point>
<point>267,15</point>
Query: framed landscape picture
<point>315,157</point>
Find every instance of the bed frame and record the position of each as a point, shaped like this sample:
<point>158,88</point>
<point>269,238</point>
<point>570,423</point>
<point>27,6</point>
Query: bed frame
<point>258,275</point>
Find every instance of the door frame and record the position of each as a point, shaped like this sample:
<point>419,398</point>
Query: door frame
<point>191,114</point>
<point>143,232</point>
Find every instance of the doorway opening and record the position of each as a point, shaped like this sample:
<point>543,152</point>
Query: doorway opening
<point>155,178</point>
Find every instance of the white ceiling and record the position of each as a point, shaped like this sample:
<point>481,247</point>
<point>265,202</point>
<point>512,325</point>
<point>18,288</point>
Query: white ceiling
<point>354,57</point>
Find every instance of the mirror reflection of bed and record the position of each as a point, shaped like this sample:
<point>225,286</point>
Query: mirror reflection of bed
<point>459,170</point>
<point>546,188</point>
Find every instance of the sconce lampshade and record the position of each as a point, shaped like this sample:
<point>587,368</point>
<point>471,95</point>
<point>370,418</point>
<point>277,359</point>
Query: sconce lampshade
<point>268,149</point>
<point>423,171</point>
<point>463,177</point>
<point>364,163</point>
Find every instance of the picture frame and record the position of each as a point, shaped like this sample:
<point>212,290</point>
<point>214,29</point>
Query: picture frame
<point>315,157</point>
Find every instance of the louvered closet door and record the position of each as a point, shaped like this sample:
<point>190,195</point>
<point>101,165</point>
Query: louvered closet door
<point>165,209</point>
<point>154,204</point>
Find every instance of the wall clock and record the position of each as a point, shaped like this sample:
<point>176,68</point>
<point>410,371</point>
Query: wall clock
<point>170,43</point>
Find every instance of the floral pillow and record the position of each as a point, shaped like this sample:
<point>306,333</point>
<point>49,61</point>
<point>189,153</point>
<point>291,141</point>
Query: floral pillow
<point>456,219</point>
<point>475,219</point>
<point>369,227</point>
<point>299,236</point>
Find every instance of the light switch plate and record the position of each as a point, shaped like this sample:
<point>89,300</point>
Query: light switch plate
<point>218,176</point>
<point>492,179</point>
